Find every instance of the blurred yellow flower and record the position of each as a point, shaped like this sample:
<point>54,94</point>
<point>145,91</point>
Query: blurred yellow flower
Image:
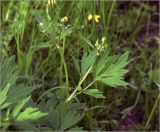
<point>64,19</point>
<point>90,17</point>
<point>97,17</point>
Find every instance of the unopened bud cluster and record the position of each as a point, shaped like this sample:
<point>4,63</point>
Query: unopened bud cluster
<point>100,47</point>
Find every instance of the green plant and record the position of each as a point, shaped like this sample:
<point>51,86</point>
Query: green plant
<point>71,62</point>
<point>105,69</point>
<point>14,97</point>
<point>61,116</point>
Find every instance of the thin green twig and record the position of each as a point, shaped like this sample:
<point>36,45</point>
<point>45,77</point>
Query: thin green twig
<point>152,112</point>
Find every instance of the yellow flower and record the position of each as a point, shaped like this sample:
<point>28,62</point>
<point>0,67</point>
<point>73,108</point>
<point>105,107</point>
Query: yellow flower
<point>90,17</point>
<point>97,17</point>
<point>64,19</point>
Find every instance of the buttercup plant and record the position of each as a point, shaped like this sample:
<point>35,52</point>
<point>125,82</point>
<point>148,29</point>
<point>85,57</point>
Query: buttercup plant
<point>106,69</point>
<point>59,72</point>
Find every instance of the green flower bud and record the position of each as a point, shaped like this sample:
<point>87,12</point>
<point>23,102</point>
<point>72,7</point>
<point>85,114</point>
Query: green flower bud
<point>41,24</point>
<point>103,40</point>
<point>97,43</point>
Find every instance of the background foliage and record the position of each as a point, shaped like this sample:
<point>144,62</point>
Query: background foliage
<point>47,47</point>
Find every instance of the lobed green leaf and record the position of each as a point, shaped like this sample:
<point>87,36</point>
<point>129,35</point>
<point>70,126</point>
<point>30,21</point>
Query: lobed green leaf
<point>94,92</point>
<point>110,70</point>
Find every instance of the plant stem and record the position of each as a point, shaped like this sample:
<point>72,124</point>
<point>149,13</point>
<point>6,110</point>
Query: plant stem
<point>60,74</point>
<point>66,74</point>
<point>137,99</point>
<point>89,85</point>
<point>85,88</point>
<point>79,84</point>
<point>110,13</point>
<point>82,80</point>
<point>152,112</point>
<point>65,66</point>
